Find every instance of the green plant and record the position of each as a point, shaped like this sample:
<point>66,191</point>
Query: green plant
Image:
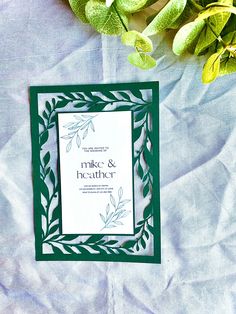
<point>200,26</point>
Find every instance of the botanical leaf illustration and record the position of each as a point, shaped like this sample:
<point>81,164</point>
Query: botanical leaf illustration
<point>132,6</point>
<point>78,7</point>
<point>116,212</point>
<point>83,123</point>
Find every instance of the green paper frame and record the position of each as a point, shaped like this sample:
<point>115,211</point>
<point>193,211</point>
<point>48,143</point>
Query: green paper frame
<point>95,247</point>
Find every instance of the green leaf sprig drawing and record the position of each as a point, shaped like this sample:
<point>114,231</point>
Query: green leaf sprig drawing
<point>199,26</point>
<point>82,125</point>
<point>49,188</point>
<point>113,218</point>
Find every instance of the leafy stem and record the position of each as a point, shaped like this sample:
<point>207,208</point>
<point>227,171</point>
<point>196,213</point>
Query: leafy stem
<point>81,123</point>
<point>111,219</point>
<point>117,12</point>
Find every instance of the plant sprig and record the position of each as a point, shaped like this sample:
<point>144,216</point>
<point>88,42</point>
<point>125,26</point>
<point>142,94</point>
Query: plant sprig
<point>201,25</point>
<point>112,217</point>
<point>82,124</point>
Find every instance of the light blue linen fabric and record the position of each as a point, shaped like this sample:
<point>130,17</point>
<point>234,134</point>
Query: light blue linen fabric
<point>43,44</point>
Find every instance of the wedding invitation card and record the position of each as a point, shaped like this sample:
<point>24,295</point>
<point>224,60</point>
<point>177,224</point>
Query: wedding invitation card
<point>96,172</point>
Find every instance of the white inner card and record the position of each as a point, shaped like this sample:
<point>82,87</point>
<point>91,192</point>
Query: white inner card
<point>96,172</point>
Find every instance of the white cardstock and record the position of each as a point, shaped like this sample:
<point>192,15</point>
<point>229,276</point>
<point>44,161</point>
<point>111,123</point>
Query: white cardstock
<point>96,172</point>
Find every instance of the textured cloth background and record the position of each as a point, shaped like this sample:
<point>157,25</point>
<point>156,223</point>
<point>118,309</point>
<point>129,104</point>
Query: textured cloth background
<point>42,43</point>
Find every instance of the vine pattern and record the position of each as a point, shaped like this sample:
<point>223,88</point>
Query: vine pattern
<point>95,243</point>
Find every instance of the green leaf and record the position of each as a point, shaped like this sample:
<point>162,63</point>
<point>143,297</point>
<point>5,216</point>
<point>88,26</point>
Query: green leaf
<point>129,244</point>
<point>140,115</point>
<point>106,20</point>
<point>43,138</point>
<point>122,108</point>
<point>42,210</point>
<point>230,38</point>
<point>137,133</point>
<point>143,243</point>
<point>141,60</point>
<point>228,66</point>
<point>131,6</point>
<point>213,28</point>
<point>147,211</point>
<point>80,104</point>
<point>70,95</point>
<point>217,8</point>
<point>186,36</point>
<point>78,7</point>
<point>84,251</point>
<point>94,238</point>
<point>48,106</point>
<point>150,18</point>
<point>184,17</point>
<point>53,229</point>
<point>204,3</point>
<point>165,17</point>
<point>97,107</point>
<point>230,26</point>
<point>44,189</point>
<point>146,234</point>
<point>125,96</point>
<point>148,157</point>
<point>46,158</point>
<point>47,171</point>
<point>137,93</point>
<point>52,177</point>
<point>41,121</point>
<point>55,214</point>
<point>70,237</point>
<point>45,115</point>
<point>211,68</point>
<point>111,242</point>
<point>150,228</point>
<point>137,229</point>
<point>137,40</point>
<point>56,250</point>
<point>146,190</point>
<point>109,95</point>
<point>62,103</point>
<point>68,249</point>
<point>140,170</point>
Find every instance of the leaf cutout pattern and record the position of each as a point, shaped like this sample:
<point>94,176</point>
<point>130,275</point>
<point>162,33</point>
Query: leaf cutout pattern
<point>71,244</point>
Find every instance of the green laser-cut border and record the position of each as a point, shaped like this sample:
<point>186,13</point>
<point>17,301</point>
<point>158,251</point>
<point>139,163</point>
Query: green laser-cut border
<point>154,111</point>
